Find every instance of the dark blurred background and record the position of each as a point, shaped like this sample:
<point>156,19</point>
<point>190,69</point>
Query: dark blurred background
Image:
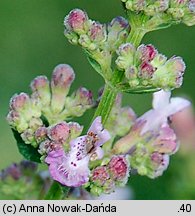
<point>32,43</point>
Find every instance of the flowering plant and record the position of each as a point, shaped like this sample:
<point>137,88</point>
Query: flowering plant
<point>117,144</point>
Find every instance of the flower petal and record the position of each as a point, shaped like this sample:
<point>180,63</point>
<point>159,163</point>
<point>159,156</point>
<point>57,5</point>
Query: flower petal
<point>161,99</point>
<point>97,129</point>
<point>67,170</point>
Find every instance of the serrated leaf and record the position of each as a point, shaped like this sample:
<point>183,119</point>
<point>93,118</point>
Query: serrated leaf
<point>28,151</point>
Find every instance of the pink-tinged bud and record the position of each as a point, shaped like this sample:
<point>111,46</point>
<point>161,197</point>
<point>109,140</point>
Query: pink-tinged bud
<point>119,23</point>
<point>170,75</point>
<point>166,142</point>
<point>75,129</point>
<point>48,146</point>
<point>59,132</point>
<point>146,53</point>
<point>62,78</point>
<point>146,70</point>
<point>40,86</point>
<point>28,137</point>
<point>79,102</point>
<point>100,175</point>
<point>97,32</point>
<point>76,21</point>
<point>35,123</point>
<point>41,134</point>
<point>17,121</point>
<point>126,49</point>
<point>84,96</point>
<point>118,31</point>
<point>20,102</point>
<point>13,118</point>
<point>126,54</point>
<point>119,168</point>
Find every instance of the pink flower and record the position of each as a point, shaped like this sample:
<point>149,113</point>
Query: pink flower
<point>71,169</point>
<point>163,108</point>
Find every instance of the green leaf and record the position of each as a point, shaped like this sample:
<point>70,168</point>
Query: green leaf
<point>65,190</point>
<point>137,90</point>
<point>28,151</point>
<point>54,192</point>
<point>93,62</point>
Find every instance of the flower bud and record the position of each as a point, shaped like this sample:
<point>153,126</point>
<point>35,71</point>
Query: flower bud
<point>100,175</point>
<point>75,130</point>
<point>126,54</point>
<point>48,146</point>
<point>76,21</point>
<point>71,36</point>
<point>28,137</point>
<point>146,52</point>
<point>40,85</point>
<point>170,75</point>
<point>59,132</point>
<point>101,182</point>
<point>79,102</point>
<point>62,78</point>
<point>146,67</point>
<point>119,169</point>
<point>17,121</point>
<point>135,5</point>
<point>97,32</point>
<point>156,7</point>
<point>85,42</point>
<point>40,134</point>
<point>35,123</point>
<point>20,102</point>
<point>118,30</point>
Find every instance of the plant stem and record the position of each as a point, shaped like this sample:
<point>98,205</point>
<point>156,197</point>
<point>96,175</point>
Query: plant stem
<point>109,94</point>
<point>106,103</point>
<point>136,35</point>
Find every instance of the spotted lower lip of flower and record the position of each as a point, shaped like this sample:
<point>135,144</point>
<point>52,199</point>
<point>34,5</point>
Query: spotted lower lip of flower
<point>66,169</point>
<point>71,169</point>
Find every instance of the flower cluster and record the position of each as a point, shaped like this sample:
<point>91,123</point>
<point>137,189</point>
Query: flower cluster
<point>92,35</point>
<point>151,140</point>
<point>48,104</point>
<point>144,66</point>
<point>72,168</point>
<point>175,10</point>
<point>99,41</point>
<point>105,179</point>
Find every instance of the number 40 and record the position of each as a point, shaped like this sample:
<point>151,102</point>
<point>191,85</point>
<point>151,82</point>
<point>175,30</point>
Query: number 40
<point>185,208</point>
